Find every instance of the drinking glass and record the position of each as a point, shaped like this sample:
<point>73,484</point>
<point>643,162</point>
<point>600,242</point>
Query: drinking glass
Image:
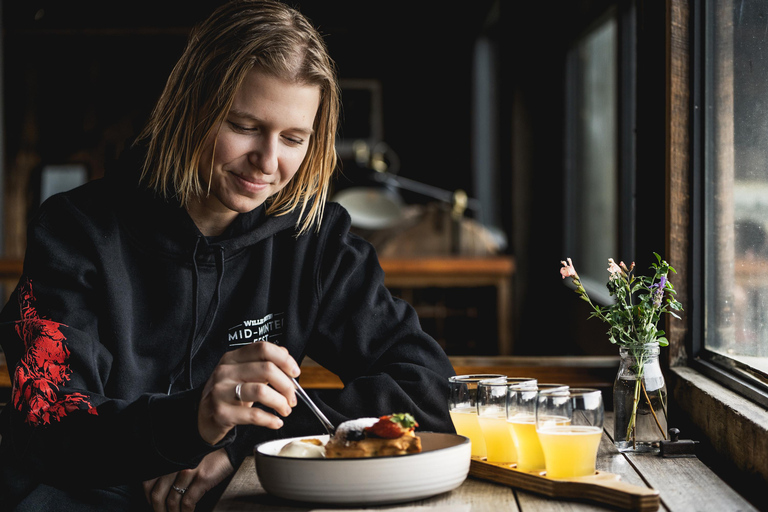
<point>492,416</point>
<point>569,423</point>
<point>462,406</point>
<point>521,420</point>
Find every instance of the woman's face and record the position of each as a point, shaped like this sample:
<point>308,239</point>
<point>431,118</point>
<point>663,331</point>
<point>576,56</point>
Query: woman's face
<point>259,148</point>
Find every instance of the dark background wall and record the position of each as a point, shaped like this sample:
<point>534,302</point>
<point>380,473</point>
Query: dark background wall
<point>80,78</point>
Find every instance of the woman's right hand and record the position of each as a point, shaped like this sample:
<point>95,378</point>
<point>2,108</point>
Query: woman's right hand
<point>263,370</point>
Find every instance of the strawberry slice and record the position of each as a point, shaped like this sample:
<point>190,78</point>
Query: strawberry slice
<point>392,426</point>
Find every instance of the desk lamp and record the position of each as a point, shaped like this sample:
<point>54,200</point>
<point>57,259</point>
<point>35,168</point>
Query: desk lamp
<point>378,204</point>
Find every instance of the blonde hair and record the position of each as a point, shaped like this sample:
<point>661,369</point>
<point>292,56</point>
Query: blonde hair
<point>237,37</point>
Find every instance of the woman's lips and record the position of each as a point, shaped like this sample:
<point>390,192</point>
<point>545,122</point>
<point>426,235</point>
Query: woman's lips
<point>250,184</point>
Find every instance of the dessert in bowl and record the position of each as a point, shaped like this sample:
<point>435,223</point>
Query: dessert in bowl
<point>358,470</point>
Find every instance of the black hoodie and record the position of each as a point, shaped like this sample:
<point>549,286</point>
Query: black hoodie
<point>124,309</point>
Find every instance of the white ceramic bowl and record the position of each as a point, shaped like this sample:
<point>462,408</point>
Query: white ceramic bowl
<point>442,465</point>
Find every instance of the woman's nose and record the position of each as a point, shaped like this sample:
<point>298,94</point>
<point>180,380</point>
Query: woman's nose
<point>263,156</point>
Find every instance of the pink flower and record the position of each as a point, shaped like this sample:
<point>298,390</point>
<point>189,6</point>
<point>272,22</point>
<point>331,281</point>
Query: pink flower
<point>568,270</point>
<point>613,268</point>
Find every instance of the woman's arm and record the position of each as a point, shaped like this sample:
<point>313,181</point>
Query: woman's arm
<point>372,341</point>
<point>74,419</point>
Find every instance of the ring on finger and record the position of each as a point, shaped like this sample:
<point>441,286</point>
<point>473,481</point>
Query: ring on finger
<point>238,389</point>
<point>180,490</point>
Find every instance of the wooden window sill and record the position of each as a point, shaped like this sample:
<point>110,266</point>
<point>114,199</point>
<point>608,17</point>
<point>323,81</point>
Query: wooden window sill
<point>735,427</point>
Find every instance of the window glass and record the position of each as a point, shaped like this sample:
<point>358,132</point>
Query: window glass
<point>592,202</point>
<point>736,182</point>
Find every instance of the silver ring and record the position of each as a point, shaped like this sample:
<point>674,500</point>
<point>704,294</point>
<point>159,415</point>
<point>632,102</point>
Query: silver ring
<point>180,490</point>
<point>238,388</point>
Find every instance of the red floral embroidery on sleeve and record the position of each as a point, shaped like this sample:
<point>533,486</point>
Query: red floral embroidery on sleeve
<point>43,368</point>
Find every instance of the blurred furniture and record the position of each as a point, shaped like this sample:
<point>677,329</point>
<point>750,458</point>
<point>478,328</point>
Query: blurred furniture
<point>10,271</point>
<point>406,275</point>
<point>5,382</point>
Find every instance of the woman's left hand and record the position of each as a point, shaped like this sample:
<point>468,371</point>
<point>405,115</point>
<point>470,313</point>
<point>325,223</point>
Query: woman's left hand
<point>182,490</point>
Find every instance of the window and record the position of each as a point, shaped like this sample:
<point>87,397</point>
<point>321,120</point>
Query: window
<point>735,191</point>
<point>592,147</point>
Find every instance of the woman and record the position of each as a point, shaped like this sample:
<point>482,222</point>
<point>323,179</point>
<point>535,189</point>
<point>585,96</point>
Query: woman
<point>164,308</point>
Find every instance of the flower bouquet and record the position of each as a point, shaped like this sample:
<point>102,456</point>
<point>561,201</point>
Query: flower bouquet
<point>639,394</point>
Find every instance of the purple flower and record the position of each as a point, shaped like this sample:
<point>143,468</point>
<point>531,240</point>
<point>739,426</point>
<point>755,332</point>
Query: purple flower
<point>658,295</point>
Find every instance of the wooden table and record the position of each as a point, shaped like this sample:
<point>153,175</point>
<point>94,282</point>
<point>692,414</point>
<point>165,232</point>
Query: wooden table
<point>579,371</point>
<point>684,485</point>
<point>5,382</point>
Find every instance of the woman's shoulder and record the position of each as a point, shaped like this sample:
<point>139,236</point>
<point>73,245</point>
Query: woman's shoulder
<point>92,203</point>
<point>337,233</point>
<point>335,219</point>
<point>91,195</point>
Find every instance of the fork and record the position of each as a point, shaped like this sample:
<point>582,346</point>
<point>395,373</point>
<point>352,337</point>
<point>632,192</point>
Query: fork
<point>314,408</point>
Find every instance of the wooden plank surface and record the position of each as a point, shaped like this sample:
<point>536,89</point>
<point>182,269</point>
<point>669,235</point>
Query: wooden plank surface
<point>602,488</point>
<point>244,493</point>
<point>609,460</point>
<point>684,483</point>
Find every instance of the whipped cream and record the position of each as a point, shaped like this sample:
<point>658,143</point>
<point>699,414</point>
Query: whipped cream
<point>302,450</point>
<point>356,425</point>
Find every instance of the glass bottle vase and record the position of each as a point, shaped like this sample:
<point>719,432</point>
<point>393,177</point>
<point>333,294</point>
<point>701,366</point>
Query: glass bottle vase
<point>639,399</point>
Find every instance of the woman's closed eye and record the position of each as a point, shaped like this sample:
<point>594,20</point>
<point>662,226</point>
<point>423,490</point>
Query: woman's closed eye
<point>289,139</point>
<point>242,129</point>
<point>294,141</point>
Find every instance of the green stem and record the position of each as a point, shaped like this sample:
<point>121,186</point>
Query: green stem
<point>635,403</point>
<point>648,399</point>
<point>629,299</point>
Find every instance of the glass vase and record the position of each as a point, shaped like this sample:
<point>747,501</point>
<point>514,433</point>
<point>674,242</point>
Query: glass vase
<point>639,400</point>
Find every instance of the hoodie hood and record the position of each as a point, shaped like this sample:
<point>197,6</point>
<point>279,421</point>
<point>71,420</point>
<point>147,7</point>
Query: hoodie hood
<point>165,226</point>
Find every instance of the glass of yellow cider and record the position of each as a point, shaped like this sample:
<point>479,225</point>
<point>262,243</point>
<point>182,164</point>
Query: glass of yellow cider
<point>521,421</point>
<point>569,423</point>
<point>492,416</point>
<point>462,406</point>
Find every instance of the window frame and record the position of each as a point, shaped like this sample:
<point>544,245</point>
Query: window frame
<point>624,14</point>
<point>732,429</point>
<point>729,372</point>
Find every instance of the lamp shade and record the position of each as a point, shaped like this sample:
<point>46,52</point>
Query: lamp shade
<point>371,207</point>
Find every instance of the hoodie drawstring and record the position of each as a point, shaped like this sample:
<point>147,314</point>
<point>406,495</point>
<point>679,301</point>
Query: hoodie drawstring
<point>195,304</point>
<point>195,340</point>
